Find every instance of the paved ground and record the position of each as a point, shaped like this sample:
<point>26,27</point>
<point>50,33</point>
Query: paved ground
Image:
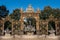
<point>29,37</point>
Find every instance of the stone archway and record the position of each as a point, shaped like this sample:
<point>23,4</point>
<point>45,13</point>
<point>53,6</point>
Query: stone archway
<point>7,27</point>
<point>30,13</point>
<point>51,27</point>
<point>30,25</point>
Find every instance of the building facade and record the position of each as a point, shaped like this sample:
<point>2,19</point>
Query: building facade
<point>41,26</point>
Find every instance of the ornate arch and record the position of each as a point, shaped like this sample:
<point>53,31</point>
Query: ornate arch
<point>34,15</point>
<point>51,18</point>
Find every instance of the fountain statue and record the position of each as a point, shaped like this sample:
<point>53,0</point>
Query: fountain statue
<point>29,29</point>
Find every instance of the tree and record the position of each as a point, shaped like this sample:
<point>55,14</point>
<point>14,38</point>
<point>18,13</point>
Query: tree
<point>43,16</point>
<point>48,11</point>
<point>56,13</point>
<point>45,13</point>
<point>3,11</point>
<point>16,14</point>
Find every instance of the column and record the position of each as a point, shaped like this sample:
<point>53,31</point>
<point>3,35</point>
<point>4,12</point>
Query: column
<point>3,28</point>
<point>47,28</point>
<point>21,20</point>
<point>57,28</point>
<point>21,27</point>
<point>12,27</point>
<point>37,27</point>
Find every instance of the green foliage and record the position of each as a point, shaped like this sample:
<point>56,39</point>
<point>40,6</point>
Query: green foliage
<point>48,11</point>
<point>16,14</point>
<point>3,11</point>
<point>56,13</point>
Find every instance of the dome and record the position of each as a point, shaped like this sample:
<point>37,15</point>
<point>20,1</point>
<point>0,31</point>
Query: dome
<point>29,9</point>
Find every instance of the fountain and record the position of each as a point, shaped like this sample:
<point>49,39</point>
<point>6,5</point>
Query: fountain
<point>29,29</point>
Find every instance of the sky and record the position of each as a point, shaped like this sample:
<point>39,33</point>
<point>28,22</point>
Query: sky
<point>13,4</point>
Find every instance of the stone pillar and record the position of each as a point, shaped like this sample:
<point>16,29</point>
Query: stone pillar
<point>21,27</point>
<point>3,28</point>
<point>47,28</point>
<point>21,17</point>
<point>57,28</point>
<point>37,27</point>
<point>21,20</point>
<point>12,27</point>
